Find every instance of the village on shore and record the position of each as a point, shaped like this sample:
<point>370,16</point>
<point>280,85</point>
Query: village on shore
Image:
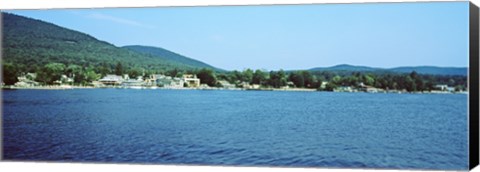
<point>190,81</point>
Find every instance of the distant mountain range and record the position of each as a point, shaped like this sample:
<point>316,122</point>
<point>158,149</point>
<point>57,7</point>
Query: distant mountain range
<point>30,44</point>
<point>34,43</point>
<point>432,70</point>
<point>169,56</point>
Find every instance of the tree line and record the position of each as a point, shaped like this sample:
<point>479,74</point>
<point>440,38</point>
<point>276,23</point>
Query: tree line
<point>84,75</point>
<point>411,82</point>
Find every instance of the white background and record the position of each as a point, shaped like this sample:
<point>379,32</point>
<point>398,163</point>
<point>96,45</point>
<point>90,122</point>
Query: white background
<point>81,167</point>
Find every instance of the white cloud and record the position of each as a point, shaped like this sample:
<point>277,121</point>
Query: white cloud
<point>118,20</point>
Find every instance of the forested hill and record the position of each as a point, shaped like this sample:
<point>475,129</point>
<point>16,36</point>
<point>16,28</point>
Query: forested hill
<point>429,70</point>
<point>169,56</point>
<point>433,70</point>
<point>29,44</point>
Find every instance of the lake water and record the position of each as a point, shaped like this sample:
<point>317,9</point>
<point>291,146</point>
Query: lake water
<point>246,128</point>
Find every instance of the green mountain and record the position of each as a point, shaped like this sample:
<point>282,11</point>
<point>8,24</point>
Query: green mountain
<point>345,67</point>
<point>432,70</point>
<point>29,44</point>
<point>169,56</point>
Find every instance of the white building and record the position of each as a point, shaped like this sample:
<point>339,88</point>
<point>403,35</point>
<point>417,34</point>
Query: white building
<point>164,81</point>
<point>27,80</point>
<point>441,87</point>
<point>226,84</point>
<point>191,80</point>
<point>112,80</point>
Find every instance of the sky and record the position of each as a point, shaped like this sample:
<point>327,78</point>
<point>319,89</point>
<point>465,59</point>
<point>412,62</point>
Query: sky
<point>285,37</point>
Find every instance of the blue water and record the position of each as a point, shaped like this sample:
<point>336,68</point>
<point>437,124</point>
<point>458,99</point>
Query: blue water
<point>247,128</point>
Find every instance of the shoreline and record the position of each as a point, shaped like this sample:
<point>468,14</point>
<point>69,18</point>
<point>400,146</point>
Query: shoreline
<point>69,87</point>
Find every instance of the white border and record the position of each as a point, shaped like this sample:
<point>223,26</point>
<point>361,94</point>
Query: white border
<point>43,4</point>
<point>74,167</point>
<point>82,167</point>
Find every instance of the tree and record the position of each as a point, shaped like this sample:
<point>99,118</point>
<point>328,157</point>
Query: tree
<point>236,76</point>
<point>10,74</point>
<point>336,80</point>
<point>91,75</point>
<point>419,83</point>
<point>259,77</point>
<point>414,75</point>
<point>353,80</point>
<point>50,73</point>
<point>308,80</point>
<point>135,72</point>
<point>368,80</point>
<point>247,75</point>
<point>222,76</point>
<point>207,76</point>
<point>277,79</point>
<point>429,86</point>
<point>451,82</point>
<point>330,86</point>
<point>410,84</point>
<point>76,72</point>
<point>104,69</point>
<point>119,69</point>
<point>173,72</point>
<point>459,88</point>
<point>297,79</point>
<point>73,69</point>
<point>318,82</point>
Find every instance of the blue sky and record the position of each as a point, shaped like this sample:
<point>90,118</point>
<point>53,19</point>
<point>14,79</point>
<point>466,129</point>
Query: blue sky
<point>288,36</point>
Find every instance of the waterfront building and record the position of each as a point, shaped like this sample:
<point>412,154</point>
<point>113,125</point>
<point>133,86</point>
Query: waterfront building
<point>191,80</point>
<point>133,82</point>
<point>290,84</point>
<point>451,89</point>
<point>245,85</point>
<point>64,79</point>
<point>27,80</point>
<point>444,88</point>
<point>226,84</point>
<point>169,82</point>
<point>441,87</point>
<point>112,80</point>
<point>343,89</point>
<point>369,89</point>
<point>164,81</point>
<point>152,80</point>
<point>323,85</point>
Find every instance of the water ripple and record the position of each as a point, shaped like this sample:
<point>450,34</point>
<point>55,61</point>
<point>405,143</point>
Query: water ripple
<point>255,128</point>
